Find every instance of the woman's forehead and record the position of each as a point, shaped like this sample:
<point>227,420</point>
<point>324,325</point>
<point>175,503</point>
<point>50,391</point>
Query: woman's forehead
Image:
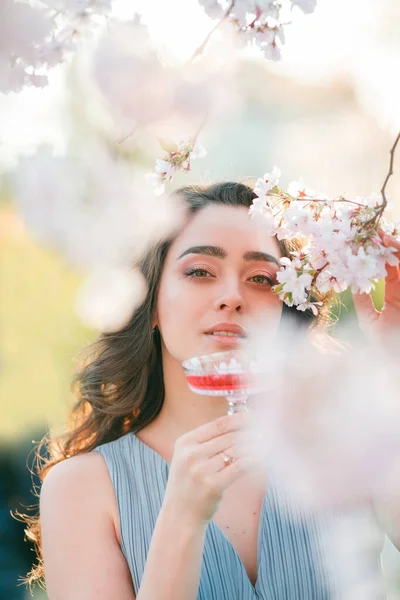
<point>229,227</point>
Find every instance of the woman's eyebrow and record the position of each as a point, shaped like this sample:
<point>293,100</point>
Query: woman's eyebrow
<point>219,252</point>
<point>255,255</point>
<point>216,251</point>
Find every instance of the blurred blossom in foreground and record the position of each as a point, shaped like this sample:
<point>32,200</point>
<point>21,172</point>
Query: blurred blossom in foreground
<point>331,419</point>
<point>36,35</point>
<point>95,209</point>
<point>139,87</point>
<point>101,215</point>
<point>23,30</point>
<point>352,548</point>
<point>130,76</point>
<point>260,22</point>
<point>108,297</point>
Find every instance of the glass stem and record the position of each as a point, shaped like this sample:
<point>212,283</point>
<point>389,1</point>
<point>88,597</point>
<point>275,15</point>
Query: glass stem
<point>238,404</point>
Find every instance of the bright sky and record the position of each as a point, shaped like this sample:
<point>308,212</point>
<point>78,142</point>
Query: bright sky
<point>341,36</point>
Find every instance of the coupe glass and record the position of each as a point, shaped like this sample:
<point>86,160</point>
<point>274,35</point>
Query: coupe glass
<point>230,374</point>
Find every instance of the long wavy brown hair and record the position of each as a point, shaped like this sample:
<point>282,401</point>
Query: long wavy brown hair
<point>118,382</point>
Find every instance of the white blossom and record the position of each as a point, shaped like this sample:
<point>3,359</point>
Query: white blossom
<point>37,35</point>
<point>388,256</point>
<point>263,213</point>
<point>362,268</point>
<point>327,282</point>
<point>392,228</point>
<point>295,284</point>
<point>259,22</point>
<point>198,151</point>
<point>213,8</point>
<point>338,252</point>
<point>308,305</point>
<point>265,184</point>
<point>177,158</point>
<point>372,201</point>
<point>241,12</point>
<point>164,168</point>
<point>271,52</point>
<point>299,189</point>
<point>23,29</point>
<point>297,220</point>
<point>307,6</point>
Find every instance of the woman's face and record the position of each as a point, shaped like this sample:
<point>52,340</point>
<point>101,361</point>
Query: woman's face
<point>217,278</point>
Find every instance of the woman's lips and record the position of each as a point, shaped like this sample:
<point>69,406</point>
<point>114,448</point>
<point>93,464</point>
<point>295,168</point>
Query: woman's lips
<point>226,338</point>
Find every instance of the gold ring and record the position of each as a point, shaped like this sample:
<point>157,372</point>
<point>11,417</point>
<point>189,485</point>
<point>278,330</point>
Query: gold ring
<point>228,460</point>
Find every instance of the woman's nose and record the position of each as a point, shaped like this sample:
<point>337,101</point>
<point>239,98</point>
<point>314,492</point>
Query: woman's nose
<point>230,299</point>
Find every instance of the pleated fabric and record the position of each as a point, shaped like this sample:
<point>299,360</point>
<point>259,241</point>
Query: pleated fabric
<point>292,560</point>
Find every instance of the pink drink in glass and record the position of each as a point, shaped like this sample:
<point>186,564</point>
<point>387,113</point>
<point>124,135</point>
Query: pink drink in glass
<point>220,381</point>
<point>221,374</point>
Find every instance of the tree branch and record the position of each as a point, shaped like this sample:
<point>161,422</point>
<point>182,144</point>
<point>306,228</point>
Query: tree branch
<point>379,211</point>
<point>200,49</point>
<point>390,173</point>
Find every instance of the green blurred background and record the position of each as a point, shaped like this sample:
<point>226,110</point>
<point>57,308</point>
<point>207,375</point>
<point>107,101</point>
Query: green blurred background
<point>40,334</point>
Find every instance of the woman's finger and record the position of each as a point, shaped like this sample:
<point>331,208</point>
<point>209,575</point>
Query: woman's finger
<point>390,242</point>
<point>392,295</point>
<point>366,312</point>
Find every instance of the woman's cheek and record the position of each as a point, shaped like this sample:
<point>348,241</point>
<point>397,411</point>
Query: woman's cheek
<point>175,305</point>
<point>180,312</point>
<point>182,293</point>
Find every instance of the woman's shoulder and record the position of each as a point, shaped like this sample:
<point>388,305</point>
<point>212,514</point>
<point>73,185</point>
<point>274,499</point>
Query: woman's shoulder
<point>80,477</point>
<point>82,471</point>
<point>92,474</point>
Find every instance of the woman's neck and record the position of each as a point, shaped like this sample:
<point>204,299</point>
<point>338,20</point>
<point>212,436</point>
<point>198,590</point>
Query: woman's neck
<point>183,410</point>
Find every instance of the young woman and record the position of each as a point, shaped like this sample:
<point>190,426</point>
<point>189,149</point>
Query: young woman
<point>148,495</point>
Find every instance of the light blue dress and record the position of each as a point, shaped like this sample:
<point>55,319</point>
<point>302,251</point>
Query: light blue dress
<point>291,558</point>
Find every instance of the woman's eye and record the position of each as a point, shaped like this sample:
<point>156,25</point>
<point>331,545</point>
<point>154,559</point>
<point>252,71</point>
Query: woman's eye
<point>197,273</point>
<point>262,279</point>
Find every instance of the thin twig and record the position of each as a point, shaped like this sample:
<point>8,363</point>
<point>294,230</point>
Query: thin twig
<point>379,212</point>
<point>123,139</point>
<point>200,127</point>
<point>390,168</point>
<point>204,43</point>
<point>310,199</point>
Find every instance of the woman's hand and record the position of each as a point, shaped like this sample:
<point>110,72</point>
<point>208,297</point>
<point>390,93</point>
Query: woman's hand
<point>383,326</point>
<point>377,324</point>
<point>198,475</point>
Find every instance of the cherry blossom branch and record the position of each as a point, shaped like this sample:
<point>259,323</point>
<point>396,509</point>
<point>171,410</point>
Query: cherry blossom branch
<point>381,208</point>
<point>127,136</point>
<point>200,127</point>
<point>390,173</point>
<point>342,250</point>
<point>311,199</point>
<point>204,43</point>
